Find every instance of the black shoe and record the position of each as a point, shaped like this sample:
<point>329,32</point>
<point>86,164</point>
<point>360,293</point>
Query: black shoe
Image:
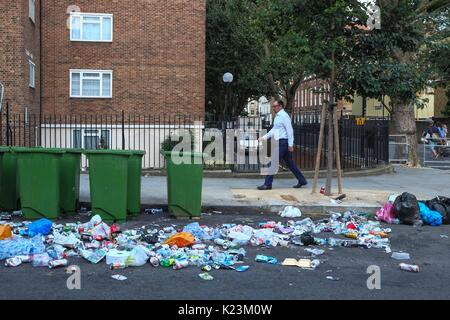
<point>264,187</point>
<point>298,186</point>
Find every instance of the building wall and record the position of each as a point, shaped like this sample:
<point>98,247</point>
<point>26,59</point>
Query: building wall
<point>157,57</point>
<point>19,39</point>
<point>374,108</point>
<point>309,98</point>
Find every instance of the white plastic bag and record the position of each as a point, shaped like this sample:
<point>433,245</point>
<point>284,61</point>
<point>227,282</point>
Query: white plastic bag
<point>290,212</point>
<point>138,257</point>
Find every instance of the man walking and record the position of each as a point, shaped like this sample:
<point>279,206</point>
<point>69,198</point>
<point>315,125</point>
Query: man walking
<point>283,132</point>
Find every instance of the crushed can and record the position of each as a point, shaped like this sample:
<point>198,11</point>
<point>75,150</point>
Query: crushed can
<point>25,258</point>
<point>154,261</point>
<point>118,265</point>
<point>58,263</point>
<point>13,262</point>
<point>207,268</point>
<point>409,267</point>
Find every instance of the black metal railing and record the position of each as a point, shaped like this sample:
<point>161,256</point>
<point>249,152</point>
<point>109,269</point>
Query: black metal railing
<point>362,146</point>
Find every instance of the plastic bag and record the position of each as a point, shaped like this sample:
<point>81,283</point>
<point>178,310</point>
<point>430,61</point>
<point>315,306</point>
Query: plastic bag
<point>406,208</point>
<point>430,217</point>
<point>290,212</point>
<point>386,214</point>
<point>138,257</point>
<point>196,230</point>
<point>5,232</point>
<point>241,234</point>
<point>182,239</point>
<point>441,205</point>
<point>42,226</point>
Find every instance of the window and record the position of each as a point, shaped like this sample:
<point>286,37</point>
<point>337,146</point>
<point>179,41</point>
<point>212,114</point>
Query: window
<point>91,139</point>
<point>32,10</point>
<point>90,84</point>
<point>91,27</point>
<point>32,79</point>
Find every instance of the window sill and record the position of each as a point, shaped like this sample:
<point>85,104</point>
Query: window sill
<point>92,41</point>
<point>71,97</point>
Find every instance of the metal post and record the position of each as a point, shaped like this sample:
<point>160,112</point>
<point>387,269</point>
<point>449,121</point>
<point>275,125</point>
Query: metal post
<point>123,130</point>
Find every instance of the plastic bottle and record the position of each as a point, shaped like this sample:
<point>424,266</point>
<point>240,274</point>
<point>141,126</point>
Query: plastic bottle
<point>400,256</point>
<point>20,246</point>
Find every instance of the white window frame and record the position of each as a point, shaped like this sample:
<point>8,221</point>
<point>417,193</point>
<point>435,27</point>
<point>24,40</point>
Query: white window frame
<point>95,15</point>
<point>82,72</point>
<point>32,10</point>
<point>87,132</point>
<point>32,74</point>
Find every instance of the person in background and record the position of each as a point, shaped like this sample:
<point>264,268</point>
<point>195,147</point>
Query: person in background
<point>283,132</point>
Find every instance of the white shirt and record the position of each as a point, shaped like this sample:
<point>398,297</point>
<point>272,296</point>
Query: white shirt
<point>282,128</point>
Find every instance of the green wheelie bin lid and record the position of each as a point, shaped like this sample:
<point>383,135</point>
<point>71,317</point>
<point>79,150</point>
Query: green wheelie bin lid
<point>184,184</point>
<point>40,181</point>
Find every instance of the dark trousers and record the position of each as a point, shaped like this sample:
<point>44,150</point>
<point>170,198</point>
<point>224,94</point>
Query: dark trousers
<point>286,155</point>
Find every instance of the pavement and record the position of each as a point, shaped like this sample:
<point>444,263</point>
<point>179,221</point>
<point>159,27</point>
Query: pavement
<point>428,247</point>
<point>369,192</point>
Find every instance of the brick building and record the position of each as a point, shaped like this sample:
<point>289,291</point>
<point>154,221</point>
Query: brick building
<point>96,58</point>
<point>20,54</point>
<point>104,56</point>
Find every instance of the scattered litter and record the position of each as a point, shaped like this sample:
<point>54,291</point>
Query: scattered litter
<point>302,263</point>
<point>119,277</point>
<point>206,276</point>
<point>290,212</point>
<point>400,256</point>
<point>333,278</point>
<point>266,259</point>
<point>5,232</point>
<point>154,211</point>
<point>315,252</point>
<point>409,267</point>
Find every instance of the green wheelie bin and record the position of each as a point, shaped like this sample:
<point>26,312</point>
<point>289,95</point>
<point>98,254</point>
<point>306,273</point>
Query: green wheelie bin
<point>134,182</point>
<point>39,181</point>
<point>2,152</point>
<point>115,183</point>
<point>184,183</point>
<point>70,180</point>
<point>9,186</point>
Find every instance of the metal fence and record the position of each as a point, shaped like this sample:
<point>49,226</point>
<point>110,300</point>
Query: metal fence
<point>436,154</point>
<point>361,146</point>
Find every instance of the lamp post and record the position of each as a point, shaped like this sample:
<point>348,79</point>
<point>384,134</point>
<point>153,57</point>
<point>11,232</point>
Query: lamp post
<point>227,79</point>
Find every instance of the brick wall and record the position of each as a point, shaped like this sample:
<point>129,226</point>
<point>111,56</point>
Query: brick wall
<point>19,35</point>
<point>157,57</point>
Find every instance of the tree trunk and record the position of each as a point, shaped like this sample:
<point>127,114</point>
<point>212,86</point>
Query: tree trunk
<point>290,96</point>
<point>330,155</point>
<point>405,124</point>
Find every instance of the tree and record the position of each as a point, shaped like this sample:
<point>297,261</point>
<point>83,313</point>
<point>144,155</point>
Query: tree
<point>328,27</point>
<point>232,45</point>
<point>391,61</point>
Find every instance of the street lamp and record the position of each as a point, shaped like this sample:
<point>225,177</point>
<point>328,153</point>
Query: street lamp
<point>227,79</point>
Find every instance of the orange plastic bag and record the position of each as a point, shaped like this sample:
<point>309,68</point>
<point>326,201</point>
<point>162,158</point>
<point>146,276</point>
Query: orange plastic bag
<point>182,239</point>
<point>5,232</point>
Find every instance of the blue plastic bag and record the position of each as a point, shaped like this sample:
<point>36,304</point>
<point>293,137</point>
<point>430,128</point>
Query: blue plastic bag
<point>428,216</point>
<point>42,226</point>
